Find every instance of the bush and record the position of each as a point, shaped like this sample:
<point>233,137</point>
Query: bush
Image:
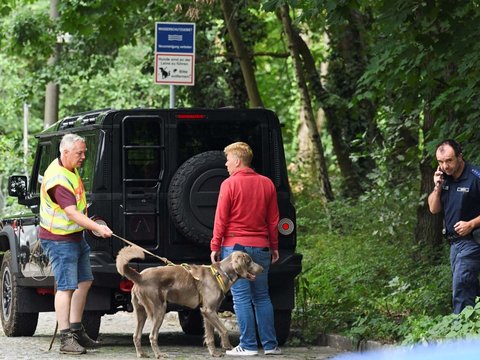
<point>362,274</point>
<point>428,329</point>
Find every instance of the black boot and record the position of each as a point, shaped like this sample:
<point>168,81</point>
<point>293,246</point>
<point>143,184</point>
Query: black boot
<point>84,340</point>
<point>69,344</point>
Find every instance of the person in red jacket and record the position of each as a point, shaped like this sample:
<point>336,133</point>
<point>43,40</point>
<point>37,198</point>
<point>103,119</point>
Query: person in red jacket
<point>246,219</point>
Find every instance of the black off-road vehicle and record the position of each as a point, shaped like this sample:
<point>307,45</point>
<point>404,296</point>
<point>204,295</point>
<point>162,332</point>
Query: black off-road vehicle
<point>153,176</point>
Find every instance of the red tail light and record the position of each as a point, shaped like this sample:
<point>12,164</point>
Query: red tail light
<point>191,116</point>
<point>126,285</point>
<point>45,291</point>
<point>285,226</point>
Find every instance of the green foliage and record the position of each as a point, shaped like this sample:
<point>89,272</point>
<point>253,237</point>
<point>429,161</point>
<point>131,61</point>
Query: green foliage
<point>29,33</point>
<point>123,86</point>
<point>424,61</point>
<point>11,151</point>
<point>98,29</point>
<point>454,326</point>
<point>362,276</point>
<point>14,93</point>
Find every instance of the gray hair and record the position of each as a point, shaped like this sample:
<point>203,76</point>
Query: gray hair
<point>68,140</point>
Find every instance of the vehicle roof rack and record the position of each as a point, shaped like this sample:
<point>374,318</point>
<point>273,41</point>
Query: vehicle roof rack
<point>85,118</point>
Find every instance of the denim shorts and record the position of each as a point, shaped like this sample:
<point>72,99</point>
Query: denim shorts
<point>70,262</point>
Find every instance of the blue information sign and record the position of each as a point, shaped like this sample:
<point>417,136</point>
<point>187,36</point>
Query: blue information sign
<point>175,38</point>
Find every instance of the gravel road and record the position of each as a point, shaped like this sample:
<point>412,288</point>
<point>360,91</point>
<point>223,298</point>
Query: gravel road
<point>116,337</point>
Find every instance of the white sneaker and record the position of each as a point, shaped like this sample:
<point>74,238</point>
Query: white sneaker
<point>239,351</point>
<point>274,351</point>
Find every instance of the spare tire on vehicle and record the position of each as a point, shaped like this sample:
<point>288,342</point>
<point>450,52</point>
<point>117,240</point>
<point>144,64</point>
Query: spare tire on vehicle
<point>193,194</point>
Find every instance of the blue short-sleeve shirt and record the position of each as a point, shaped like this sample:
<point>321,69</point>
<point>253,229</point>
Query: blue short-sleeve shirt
<point>461,198</point>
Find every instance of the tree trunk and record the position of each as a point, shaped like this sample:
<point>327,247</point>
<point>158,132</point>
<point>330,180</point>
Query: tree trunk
<point>307,106</point>
<point>235,79</point>
<point>429,227</point>
<point>351,179</point>
<point>242,53</point>
<point>53,89</point>
<point>305,151</point>
<point>347,64</point>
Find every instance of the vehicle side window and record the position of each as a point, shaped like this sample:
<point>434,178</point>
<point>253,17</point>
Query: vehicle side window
<point>87,170</point>
<point>48,151</point>
<point>44,157</point>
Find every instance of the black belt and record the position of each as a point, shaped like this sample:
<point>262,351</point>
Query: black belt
<point>455,237</point>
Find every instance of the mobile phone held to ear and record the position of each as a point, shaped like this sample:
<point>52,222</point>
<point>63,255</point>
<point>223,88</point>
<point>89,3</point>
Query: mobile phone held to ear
<point>442,176</point>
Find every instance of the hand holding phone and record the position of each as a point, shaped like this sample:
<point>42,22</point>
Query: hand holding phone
<point>439,177</point>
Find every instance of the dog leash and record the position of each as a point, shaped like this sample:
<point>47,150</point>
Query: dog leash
<point>100,221</point>
<point>165,260</point>
<point>186,267</point>
<point>53,337</point>
<point>56,322</point>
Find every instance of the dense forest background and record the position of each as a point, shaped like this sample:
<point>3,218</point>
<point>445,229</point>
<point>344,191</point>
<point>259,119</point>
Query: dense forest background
<point>364,89</point>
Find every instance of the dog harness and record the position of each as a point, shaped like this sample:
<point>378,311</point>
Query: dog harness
<point>216,274</point>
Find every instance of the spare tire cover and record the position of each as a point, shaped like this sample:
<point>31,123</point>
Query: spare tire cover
<point>193,195</point>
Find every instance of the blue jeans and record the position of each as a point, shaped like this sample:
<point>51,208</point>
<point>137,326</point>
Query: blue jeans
<point>70,262</point>
<point>465,263</point>
<point>252,303</point>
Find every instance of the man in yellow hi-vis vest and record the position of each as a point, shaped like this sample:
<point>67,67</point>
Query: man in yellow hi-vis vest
<point>63,217</point>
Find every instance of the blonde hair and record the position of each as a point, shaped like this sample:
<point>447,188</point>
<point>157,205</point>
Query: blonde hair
<point>240,150</point>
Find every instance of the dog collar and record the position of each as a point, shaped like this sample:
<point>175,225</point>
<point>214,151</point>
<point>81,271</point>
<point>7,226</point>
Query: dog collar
<point>225,273</point>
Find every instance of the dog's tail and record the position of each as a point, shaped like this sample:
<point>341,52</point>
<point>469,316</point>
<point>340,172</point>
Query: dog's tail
<point>123,258</point>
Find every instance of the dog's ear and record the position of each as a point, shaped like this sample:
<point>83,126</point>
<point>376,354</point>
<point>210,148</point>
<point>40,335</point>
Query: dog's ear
<point>240,263</point>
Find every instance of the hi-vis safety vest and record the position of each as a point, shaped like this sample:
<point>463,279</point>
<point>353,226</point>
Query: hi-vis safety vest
<point>52,217</point>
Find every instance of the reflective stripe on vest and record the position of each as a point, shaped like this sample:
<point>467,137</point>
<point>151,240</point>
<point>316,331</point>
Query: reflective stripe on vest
<point>52,217</point>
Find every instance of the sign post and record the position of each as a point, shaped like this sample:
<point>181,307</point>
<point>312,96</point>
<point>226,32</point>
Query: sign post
<point>174,55</point>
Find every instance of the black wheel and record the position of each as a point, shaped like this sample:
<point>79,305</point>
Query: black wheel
<point>191,322</point>
<point>193,194</point>
<point>283,319</point>
<point>14,322</point>
<point>91,322</point>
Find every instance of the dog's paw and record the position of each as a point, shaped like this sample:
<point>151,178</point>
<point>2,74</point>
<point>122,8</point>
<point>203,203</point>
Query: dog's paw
<point>227,347</point>
<point>217,354</point>
<point>142,355</point>
<point>161,355</point>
